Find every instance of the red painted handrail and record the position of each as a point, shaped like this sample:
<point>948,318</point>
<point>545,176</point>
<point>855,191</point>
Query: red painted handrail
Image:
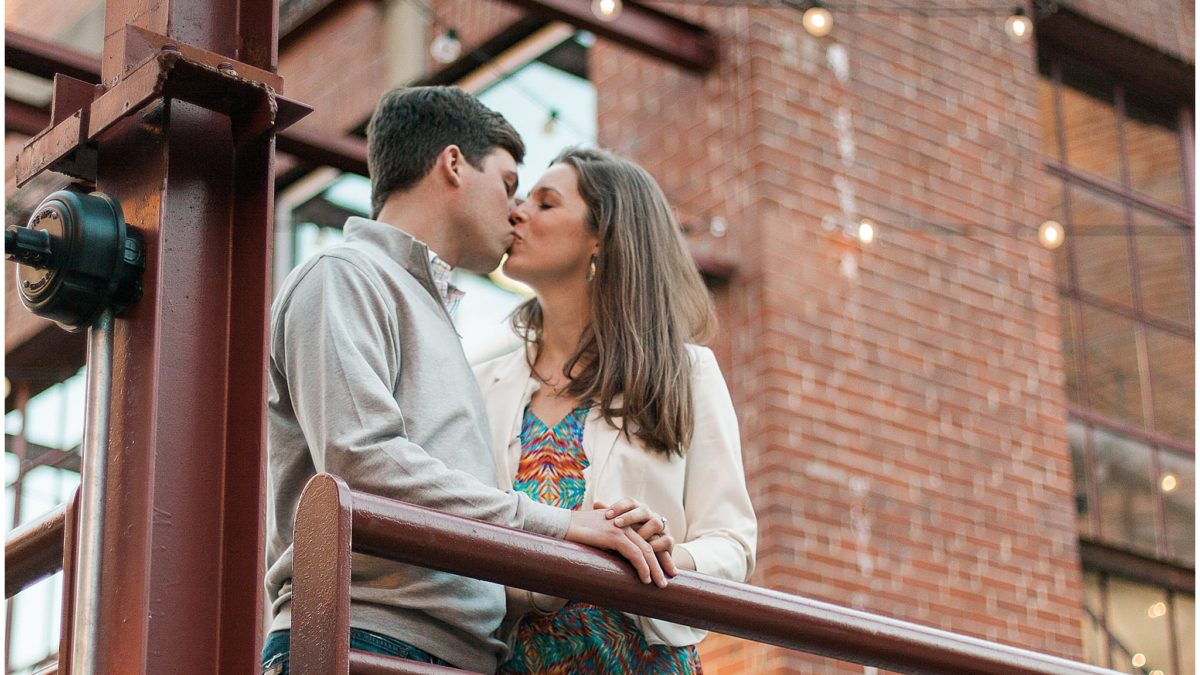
<point>332,521</point>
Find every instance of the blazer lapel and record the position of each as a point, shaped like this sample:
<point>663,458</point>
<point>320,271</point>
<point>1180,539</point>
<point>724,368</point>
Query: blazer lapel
<point>505,400</point>
<point>599,439</point>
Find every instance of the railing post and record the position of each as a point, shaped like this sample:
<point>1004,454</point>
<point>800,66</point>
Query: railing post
<point>320,641</point>
<point>66,634</point>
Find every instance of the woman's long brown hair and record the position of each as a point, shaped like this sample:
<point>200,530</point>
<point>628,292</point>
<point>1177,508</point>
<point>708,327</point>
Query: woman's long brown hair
<point>648,301</point>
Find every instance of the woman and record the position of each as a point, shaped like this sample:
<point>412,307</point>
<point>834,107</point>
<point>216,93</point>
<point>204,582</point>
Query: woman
<point>608,398</point>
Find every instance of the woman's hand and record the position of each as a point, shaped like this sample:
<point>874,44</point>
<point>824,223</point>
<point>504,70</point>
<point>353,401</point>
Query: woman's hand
<point>649,525</point>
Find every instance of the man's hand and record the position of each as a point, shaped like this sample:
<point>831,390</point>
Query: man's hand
<point>594,529</point>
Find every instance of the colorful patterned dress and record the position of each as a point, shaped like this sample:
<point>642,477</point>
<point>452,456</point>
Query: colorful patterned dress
<point>579,638</point>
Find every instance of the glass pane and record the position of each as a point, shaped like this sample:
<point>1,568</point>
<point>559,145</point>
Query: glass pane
<point>44,488</point>
<point>1167,287</point>
<point>1172,369</point>
<point>1095,643</point>
<point>573,98</point>
<point>312,239</point>
<point>1075,438</point>
<point>1067,313</point>
<point>1047,111</point>
<point>11,467</point>
<point>1090,126</point>
<point>1185,633</point>
<point>1125,480</point>
<point>1139,625</point>
<point>1097,234</point>
<point>1055,211</point>
<point>54,418</point>
<point>1152,153</point>
<point>1110,356</point>
<point>36,615</point>
<point>1177,481</point>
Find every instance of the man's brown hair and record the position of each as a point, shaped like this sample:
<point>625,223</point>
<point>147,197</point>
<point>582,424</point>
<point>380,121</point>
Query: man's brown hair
<point>412,125</point>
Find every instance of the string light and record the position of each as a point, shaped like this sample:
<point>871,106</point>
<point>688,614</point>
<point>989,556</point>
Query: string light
<point>606,10</point>
<point>1138,660</point>
<point>446,47</point>
<point>1051,234</point>
<point>1169,482</point>
<point>817,20</point>
<point>1018,26</point>
<point>1156,610</point>
<point>866,231</point>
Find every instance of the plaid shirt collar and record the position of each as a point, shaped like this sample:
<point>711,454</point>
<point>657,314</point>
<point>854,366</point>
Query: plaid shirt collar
<point>440,270</point>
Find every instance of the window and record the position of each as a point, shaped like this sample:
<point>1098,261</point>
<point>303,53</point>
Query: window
<point>1116,177</point>
<point>1134,627</point>
<point>42,435</point>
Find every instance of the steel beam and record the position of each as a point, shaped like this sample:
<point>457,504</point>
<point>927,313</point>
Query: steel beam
<point>640,28</point>
<point>187,150</point>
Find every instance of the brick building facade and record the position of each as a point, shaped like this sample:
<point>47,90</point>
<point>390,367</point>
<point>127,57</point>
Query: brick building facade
<point>905,404</point>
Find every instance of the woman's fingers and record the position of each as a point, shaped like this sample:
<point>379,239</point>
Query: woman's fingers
<point>622,506</point>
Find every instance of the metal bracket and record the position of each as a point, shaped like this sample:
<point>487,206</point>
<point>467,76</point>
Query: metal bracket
<point>156,68</point>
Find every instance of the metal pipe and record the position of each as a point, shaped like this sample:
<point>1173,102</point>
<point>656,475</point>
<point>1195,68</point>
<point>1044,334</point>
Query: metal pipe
<point>86,647</point>
<point>34,552</point>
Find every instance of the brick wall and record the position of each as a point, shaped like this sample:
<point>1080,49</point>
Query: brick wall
<point>339,70</point>
<point>901,404</point>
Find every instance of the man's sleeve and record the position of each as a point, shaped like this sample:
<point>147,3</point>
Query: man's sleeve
<point>341,356</point>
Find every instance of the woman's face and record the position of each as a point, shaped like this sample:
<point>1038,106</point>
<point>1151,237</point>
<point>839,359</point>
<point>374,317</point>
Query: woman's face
<point>551,243</point>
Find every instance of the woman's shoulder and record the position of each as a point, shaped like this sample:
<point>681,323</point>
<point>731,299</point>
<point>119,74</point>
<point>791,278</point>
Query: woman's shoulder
<point>702,358</point>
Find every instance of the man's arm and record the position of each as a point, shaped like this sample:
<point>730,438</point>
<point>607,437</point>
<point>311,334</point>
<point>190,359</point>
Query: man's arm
<point>340,354</point>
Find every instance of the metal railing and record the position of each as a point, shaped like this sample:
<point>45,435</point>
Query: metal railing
<point>34,551</point>
<point>332,521</point>
<point>37,550</point>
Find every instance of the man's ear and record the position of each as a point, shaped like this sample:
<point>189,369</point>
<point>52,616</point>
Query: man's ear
<point>450,164</point>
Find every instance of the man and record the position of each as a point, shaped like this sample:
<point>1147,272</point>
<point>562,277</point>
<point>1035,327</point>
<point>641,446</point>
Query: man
<point>368,382</point>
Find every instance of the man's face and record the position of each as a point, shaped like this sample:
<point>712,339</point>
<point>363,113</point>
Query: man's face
<point>487,200</point>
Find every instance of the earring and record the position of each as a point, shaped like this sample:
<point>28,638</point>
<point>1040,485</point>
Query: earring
<point>591,269</point>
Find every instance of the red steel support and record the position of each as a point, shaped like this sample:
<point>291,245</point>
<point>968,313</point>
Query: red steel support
<point>641,28</point>
<point>181,131</point>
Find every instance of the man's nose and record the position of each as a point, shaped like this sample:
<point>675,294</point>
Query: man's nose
<point>515,212</point>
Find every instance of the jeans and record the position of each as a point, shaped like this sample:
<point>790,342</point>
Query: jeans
<point>275,649</point>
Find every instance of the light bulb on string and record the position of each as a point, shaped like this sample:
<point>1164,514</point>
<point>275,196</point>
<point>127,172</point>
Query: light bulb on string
<point>1051,234</point>
<point>1018,26</point>
<point>865,231</point>
<point>606,10</point>
<point>817,20</point>
<point>446,47</point>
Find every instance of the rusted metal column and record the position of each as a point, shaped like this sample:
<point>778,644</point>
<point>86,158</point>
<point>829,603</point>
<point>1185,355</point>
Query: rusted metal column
<point>181,132</point>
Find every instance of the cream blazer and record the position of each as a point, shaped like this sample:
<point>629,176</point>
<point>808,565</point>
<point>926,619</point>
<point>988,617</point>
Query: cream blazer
<point>702,494</point>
